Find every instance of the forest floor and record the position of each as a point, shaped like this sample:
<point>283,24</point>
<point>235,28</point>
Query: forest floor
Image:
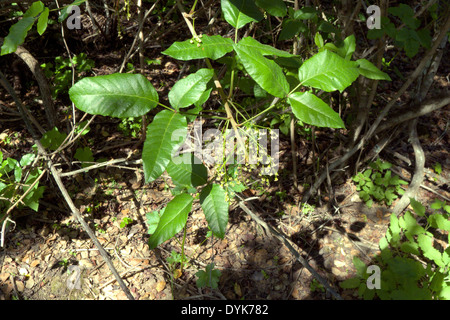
<point>45,245</point>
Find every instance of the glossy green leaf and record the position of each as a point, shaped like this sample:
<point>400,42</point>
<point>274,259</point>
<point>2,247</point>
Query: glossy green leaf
<point>153,220</point>
<point>328,71</point>
<point>115,95</point>
<point>215,207</point>
<point>265,72</point>
<point>312,110</point>
<point>318,40</point>
<point>43,21</point>
<point>187,171</point>
<point>189,90</point>
<point>65,11</point>
<point>17,34</point>
<point>164,135</point>
<point>26,160</point>
<point>212,47</point>
<point>305,13</point>
<point>34,10</point>
<point>240,12</point>
<point>291,28</point>
<point>18,31</point>
<point>172,220</point>
<point>252,44</point>
<point>275,8</point>
<point>368,70</point>
<point>347,47</point>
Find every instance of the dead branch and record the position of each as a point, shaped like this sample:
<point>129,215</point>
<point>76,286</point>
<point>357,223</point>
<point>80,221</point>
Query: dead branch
<point>415,112</point>
<point>418,172</point>
<point>44,87</point>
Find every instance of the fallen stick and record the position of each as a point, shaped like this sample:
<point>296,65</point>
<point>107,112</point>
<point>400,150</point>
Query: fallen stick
<point>283,239</point>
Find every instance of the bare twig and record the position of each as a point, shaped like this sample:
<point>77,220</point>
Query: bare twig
<point>140,36</point>
<point>76,214</point>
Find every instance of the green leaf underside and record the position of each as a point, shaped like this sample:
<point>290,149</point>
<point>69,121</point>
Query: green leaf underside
<point>172,220</point>
<point>265,72</point>
<point>115,95</point>
<point>312,110</point>
<point>369,70</point>
<point>252,44</point>
<point>189,90</point>
<point>212,47</point>
<point>161,142</point>
<point>190,173</point>
<point>328,71</point>
<point>215,207</point>
<point>240,12</point>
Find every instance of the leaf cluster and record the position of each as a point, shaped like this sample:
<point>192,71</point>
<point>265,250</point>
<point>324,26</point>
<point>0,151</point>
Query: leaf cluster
<point>409,37</point>
<point>412,265</point>
<point>378,184</point>
<point>16,178</point>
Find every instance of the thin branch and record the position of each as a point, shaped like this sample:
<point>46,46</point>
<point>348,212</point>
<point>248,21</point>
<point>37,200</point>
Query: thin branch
<point>76,214</point>
<point>139,35</point>
<point>56,176</point>
<point>415,112</point>
<point>418,172</point>
<point>44,87</point>
<point>283,239</point>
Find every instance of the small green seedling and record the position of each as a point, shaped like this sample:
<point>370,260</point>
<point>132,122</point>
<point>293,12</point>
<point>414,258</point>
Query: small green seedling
<point>208,277</point>
<point>125,222</point>
<point>378,184</point>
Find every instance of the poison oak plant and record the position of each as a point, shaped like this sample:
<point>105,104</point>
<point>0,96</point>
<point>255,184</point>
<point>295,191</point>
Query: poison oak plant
<point>379,184</point>
<point>412,265</point>
<point>17,178</point>
<point>132,95</point>
<point>270,71</point>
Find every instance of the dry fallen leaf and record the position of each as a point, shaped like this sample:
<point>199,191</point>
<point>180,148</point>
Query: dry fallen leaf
<point>4,276</point>
<point>160,286</point>
<point>20,286</point>
<point>176,273</point>
<point>237,289</point>
<point>34,263</point>
<point>30,283</point>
